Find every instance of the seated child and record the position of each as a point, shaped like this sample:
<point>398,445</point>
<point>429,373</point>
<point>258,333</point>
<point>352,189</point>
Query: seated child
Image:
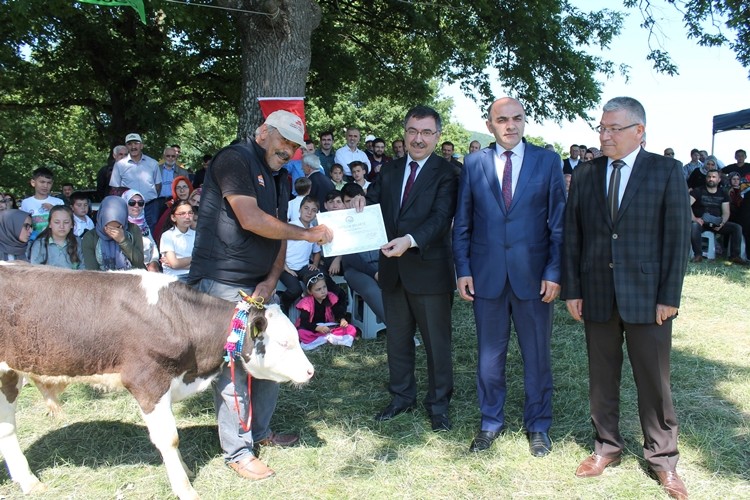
<point>57,245</point>
<point>298,255</point>
<point>79,203</point>
<point>321,317</point>
<point>177,241</point>
<point>302,186</point>
<point>337,176</point>
<point>359,170</point>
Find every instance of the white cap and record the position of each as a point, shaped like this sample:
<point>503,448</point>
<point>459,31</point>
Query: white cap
<point>369,138</point>
<point>132,137</point>
<point>288,124</point>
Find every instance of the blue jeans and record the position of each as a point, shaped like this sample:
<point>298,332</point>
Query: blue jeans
<point>236,443</point>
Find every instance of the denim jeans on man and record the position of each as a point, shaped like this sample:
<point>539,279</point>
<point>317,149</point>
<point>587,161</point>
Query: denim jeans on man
<point>236,443</point>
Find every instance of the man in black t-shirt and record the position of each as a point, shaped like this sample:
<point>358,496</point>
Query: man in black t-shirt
<point>240,243</point>
<point>710,207</point>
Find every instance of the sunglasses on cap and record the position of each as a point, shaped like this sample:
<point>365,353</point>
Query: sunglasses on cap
<point>133,203</point>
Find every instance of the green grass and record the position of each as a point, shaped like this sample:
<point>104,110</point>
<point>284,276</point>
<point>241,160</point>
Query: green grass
<point>100,448</point>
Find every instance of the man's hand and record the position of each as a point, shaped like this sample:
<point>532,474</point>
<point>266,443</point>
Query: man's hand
<point>358,203</point>
<point>465,286</point>
<point>699,221</point>
<point>335,267</point>
<point>266,290</point>
<point>664,313</point>
<point>319,234</point>
<point>575,308</point>
<point>396,247</point>
<point>549,291</point>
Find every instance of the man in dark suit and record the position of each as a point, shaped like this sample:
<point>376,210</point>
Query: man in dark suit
<point>572,162</point>
<point>321,185</point>
<point>507,245</point>
<point>417,195</point>
<point>627,234</point>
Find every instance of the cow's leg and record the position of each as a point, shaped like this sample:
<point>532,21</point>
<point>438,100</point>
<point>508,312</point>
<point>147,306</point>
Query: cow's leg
<point>51,394</point>
<point>18,466</point>
<point>162,429</point>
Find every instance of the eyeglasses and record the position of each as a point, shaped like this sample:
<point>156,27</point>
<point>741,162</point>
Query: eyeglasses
<point>133,203</point>
<point>27,226</point>
<point>412,132</point>
<point>315,279</point>
<point>170,156</point>
<point>8,200</point>
<point>181,188</point>
<point>183,214</point>
<point>613,130</point>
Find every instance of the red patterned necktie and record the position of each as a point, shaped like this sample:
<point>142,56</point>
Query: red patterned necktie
<point>410,181</point>
<point>508,180</point>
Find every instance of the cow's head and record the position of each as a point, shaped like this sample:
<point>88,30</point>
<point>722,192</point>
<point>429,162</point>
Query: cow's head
<point>272,350</point>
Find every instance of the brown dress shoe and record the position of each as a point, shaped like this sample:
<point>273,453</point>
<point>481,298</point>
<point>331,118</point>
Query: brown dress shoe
<point>251,468</point>
<point>595,464</point>
<point>283,440</point>
<point>671,483</point>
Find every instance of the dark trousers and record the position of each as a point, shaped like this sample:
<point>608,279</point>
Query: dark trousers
<point>734,231</point>
<point>405,311</point>
<point>649,347</point>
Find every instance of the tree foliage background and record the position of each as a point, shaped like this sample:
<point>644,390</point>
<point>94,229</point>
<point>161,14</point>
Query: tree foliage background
<point>77,77</point>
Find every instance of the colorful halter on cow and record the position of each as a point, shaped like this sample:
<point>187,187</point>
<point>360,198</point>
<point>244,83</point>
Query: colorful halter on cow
<point>235,341</point>
<point>238,327</point>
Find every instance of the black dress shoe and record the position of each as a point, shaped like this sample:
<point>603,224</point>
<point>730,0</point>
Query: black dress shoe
<point>441,422</point>
<point>539,443</point>
<point>391,411</point>
<point>483,440</point>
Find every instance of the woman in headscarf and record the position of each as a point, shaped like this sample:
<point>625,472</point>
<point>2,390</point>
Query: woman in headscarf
<point>136,216</point>
<point>182,188</point>
<point>115,244</point>
<point>15,231</point>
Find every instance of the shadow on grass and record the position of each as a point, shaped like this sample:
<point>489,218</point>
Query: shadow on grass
<point>732,273</point>
<point>350,387</point>
<point>106,444</point>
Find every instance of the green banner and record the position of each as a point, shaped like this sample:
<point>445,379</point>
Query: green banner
<point>136,4</point>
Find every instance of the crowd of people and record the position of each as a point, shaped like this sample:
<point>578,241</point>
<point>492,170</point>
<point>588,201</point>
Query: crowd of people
<point>512,228</point>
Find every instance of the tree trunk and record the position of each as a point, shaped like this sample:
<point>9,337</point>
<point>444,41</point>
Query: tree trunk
<point>275,53</point>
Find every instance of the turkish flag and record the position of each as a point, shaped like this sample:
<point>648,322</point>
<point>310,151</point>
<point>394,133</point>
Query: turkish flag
<point>294,105</point>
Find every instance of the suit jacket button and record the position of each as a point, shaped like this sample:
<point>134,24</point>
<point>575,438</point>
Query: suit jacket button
<point>614,236</point>
<point>611,266</point>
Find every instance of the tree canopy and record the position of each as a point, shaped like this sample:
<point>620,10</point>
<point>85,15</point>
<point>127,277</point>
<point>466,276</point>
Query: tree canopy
<point>80,73</point>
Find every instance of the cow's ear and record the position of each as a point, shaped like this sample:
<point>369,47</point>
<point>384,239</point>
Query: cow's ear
<point>258,326</point>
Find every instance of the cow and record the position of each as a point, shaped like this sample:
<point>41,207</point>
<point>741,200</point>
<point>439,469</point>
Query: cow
<point>148,333</point>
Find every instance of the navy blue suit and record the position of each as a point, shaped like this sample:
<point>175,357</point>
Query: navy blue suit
<point>508,253</point>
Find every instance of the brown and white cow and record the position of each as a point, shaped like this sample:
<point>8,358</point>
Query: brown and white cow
<point>145,332</point>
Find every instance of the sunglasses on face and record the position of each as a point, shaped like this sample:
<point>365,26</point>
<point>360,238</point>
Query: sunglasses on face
<point>133,203</point>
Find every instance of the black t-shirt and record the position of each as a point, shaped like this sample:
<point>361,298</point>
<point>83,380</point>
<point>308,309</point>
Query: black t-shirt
<point>223,250</point>
<point>706,202</point>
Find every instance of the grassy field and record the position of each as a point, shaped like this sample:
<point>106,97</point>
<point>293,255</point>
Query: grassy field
<point>100,448</point>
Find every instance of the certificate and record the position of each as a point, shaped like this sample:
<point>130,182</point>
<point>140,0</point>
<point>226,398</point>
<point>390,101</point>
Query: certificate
<point>354,232</point>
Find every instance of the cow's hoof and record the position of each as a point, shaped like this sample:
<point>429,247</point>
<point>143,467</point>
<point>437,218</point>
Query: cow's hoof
<point>189,495</point>
<point>33,486</point>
